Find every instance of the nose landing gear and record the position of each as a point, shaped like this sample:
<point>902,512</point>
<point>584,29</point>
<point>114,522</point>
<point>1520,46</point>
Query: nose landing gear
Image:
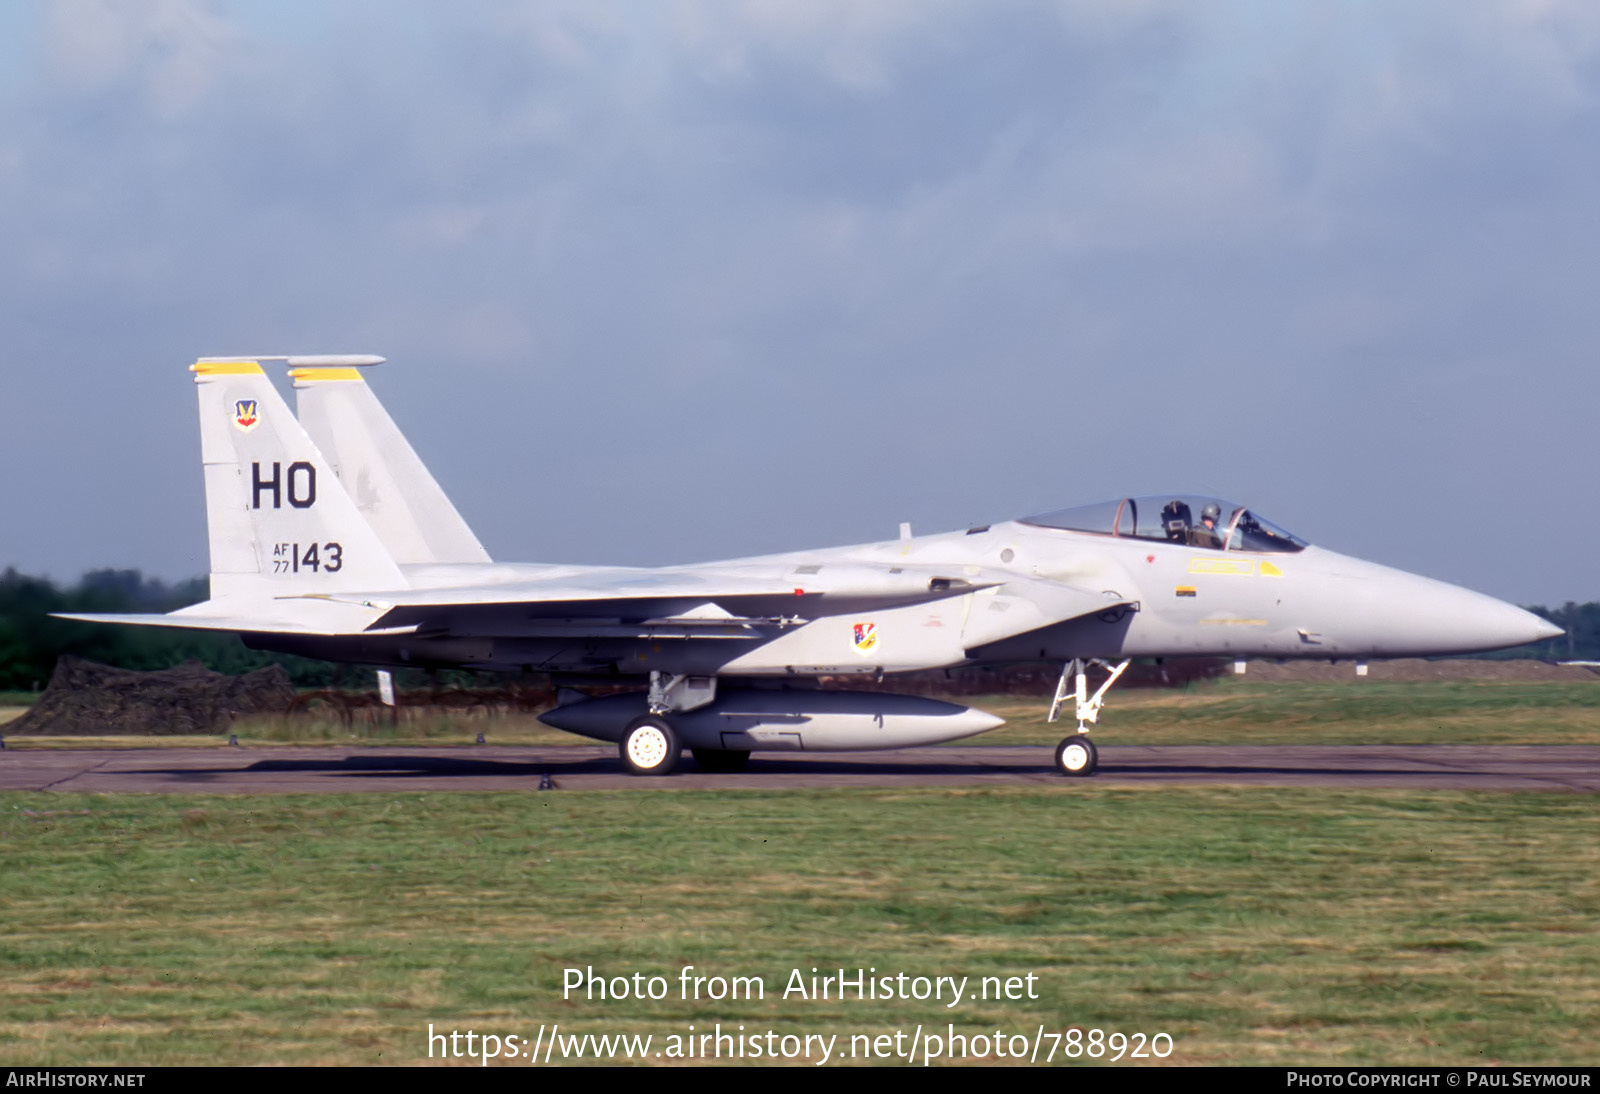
<point>1076,756</point>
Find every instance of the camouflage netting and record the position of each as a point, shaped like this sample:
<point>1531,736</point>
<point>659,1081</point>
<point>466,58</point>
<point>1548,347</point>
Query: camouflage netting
<point>86,699</point>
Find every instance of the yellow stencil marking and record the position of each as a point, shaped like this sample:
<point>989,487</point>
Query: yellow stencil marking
<point>1241,566</point>
<point>313,374</point>
<point>1267,569</point>
<point>1184,590</point>
<point>225,368</point>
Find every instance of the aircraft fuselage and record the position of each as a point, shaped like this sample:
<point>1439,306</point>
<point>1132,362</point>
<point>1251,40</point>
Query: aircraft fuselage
<point>1160,600</point>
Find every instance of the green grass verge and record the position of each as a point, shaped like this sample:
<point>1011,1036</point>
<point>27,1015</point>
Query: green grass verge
<point>1255,926</point>
<point>417,727</point>
<point>1227,711</point>
<point>1357,712</point>
<point>423,729</point>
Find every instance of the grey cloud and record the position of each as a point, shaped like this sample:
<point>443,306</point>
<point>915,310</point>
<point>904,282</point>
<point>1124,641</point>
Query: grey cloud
<point>828,266</point>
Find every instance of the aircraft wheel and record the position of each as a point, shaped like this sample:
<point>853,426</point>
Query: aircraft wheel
<point>1076,756</point>
<point>721,760</point>
<point>650,747</point>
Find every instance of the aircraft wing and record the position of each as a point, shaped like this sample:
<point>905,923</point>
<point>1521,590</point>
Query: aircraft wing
<point>711,603</point>
<point>698,601</point>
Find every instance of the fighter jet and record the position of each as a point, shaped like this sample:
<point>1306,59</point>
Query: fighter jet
<point>330,539</point>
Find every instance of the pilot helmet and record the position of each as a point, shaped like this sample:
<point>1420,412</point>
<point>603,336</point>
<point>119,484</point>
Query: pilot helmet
<point>1212,512</point>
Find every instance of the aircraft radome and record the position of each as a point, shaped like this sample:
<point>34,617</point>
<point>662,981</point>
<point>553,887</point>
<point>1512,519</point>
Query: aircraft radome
<point>330,539</point>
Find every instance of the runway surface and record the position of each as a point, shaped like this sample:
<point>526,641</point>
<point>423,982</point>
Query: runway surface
<point>1573,768</point>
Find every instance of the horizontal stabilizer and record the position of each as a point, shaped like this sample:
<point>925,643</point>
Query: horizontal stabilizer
<point>351,623</point>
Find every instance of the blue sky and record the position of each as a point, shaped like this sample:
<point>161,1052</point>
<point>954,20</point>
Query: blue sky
<point>670,281</point>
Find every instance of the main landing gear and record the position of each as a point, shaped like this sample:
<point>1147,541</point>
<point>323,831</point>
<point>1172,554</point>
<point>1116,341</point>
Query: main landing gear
<point>1076,756</point>
<point>650,747</point>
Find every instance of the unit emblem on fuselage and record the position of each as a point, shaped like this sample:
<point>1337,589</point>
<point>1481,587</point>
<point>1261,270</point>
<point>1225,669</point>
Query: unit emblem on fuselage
<point>866,637</point>
<point>244,415</point>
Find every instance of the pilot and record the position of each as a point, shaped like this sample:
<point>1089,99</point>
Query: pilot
<point>1205,533</point>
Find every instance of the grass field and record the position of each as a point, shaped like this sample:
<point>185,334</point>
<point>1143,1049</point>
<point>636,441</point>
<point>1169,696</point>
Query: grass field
<point>1353,712</point>
<point>1226,711</point>
<point>1253,926</point>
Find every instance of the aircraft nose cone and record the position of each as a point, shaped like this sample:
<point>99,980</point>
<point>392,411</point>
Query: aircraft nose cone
<point>1390,613</point>
<point>1491,624</point>
<point>1447,619</point>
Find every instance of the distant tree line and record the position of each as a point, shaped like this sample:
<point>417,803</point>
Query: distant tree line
<point>1580,643</point>
<point>30,641</point>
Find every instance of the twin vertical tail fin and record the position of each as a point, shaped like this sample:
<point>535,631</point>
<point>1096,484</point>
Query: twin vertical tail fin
<point>281,523</point>
<point>379,469</point>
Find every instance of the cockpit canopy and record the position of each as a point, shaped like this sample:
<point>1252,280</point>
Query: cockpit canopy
<point>1185,519</point>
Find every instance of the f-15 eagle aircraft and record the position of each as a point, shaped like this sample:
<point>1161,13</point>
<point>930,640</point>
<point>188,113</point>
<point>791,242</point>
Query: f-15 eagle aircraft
<point>330,539</point>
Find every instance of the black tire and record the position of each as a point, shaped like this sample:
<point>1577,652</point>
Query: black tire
<point>721,761</point>
<point>650,747</point>
<point>1076,757</point>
